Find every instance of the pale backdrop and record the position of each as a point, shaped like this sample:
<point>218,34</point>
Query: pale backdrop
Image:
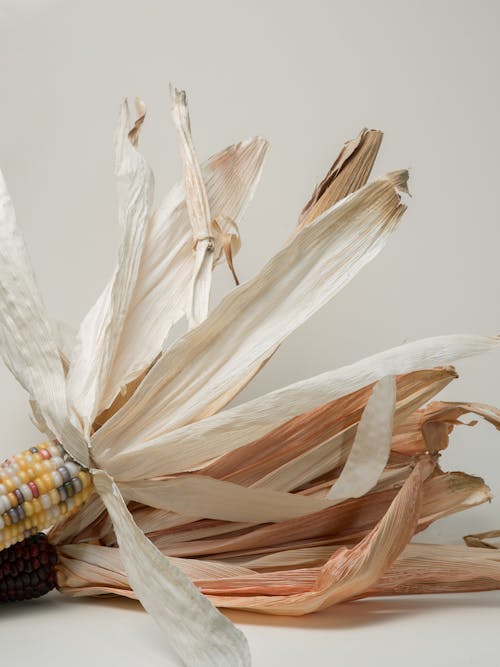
<point>307,76</point>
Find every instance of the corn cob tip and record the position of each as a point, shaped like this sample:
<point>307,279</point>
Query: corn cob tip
<point>27,569</point>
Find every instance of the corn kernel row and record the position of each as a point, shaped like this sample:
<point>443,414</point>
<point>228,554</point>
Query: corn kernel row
<point>27,569</point>
<point>37,487</point>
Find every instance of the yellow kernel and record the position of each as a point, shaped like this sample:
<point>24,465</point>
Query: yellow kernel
<point>37,505</point>
<point>28,507</point>
<point>9,484</point>
<point>48,481</point>
<point>12,498</point>
<point>84,478</point>
<point>39,468</point>
<point>54,496</point>
<point>40,485</point>
<point>64,508</point>
<point>23,476</point>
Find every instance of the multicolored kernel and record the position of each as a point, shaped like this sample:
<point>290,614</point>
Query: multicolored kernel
<point>36,488</point>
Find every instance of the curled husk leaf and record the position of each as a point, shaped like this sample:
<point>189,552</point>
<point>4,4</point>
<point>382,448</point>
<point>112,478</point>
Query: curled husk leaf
<point>285,504</point>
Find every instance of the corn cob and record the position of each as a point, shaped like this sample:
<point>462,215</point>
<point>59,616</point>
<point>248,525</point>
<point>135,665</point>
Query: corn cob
<point>37,487</point>
<point>27,569</point>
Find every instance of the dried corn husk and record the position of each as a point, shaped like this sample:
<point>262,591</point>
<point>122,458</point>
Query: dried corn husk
<point>349,172</point>
<point>286,504</point>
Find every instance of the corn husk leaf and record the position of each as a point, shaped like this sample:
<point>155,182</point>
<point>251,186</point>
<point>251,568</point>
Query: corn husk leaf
<point>207,637</point>
<point>158,295</point>
<point>347,522</point>
<point>321,457</point>
<point>228,430</point>
<point>78,575</point>
<point>100,332</point>
<point>371,446</point>
<point>349,172</point>
<point>199,215</point>
<point>27,339</point>
<point>203,496</point>
<point>205,368</point>
<point>167,261</point>
<point>483,540</point>
<point>440,568</point>
<point>320,440</point>
<point>420,569</point>
<point>286,504</point>
<point>349,572</point>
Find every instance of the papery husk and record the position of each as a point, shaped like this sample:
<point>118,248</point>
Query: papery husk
<point>420,569</point>
<point>303,498</point>
<point>167,593</point>
<point>310,577</point>
<point>483,540</point>
<point>159,287</point>
<point>27,341</point>
<point>371,446</point>
<point>330,428</point>
<point>207,367</point>
<point>185,448</point>
<point>302,564</point>
<point>199,215</point>
<point>349,172</point>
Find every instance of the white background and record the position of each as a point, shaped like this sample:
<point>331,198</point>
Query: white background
<point>307,76</point>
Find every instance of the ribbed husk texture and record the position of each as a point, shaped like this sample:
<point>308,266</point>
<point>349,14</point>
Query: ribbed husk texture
<point>285,504</point>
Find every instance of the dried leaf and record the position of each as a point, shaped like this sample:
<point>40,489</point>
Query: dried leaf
<point>100,332</point>
<point>198,375</point>
<point>318,441</point>
<point>480,539</point>
<point>199,214</point>
<point>27,341</point>
<point>201,441</point>
<point>349,172</point>
<point>349,572</point>
<point>199,496</point>
<point>347,522</point>
<point>372,444</point>
<point>199,634</point>
<point>440,568</point>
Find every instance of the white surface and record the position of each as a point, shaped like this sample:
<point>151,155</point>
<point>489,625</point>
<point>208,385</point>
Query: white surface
<point>307,75</point>
<point>459,630</point>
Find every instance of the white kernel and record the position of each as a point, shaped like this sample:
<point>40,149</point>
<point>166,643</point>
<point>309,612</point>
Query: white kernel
<point>26,491</point>
<point>57,477</point>
<point>73,468</point>
<point>45,501</point>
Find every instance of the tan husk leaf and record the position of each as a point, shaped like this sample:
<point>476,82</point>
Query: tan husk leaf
<point>348,173</point>
<point>185,448</point>
<point>198,375</point>
<point>314,538</point>
<point>286,504</point>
